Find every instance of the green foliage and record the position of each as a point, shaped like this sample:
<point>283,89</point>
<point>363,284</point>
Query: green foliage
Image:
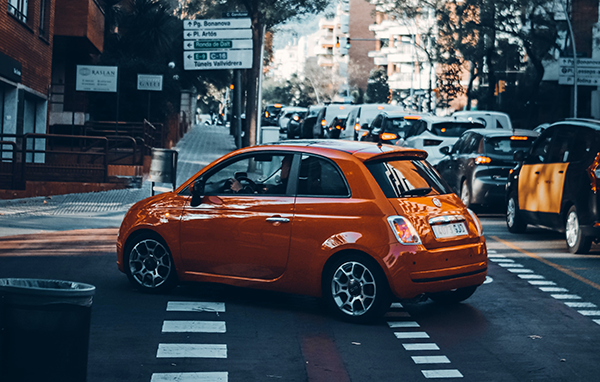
<point>378,90</point>
<point>293,92</point>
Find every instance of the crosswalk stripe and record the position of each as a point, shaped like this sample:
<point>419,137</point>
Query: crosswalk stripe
<point>406,335</point>
<point>511,265</point>
<point>566,296</point>
<point>580,304</point>
<point>531,277</point>
<point>589,312</point>
<point>429,346</point>
<point>216,376</point>
<point>520,270</point>
<point>450,373</point>
<point>191,351</point>
<point>541,282</point>
<point>403,324</point>
<point>193,306</point>
<point>193,327</point>
<point>553,289</point>
<point>430,359</point>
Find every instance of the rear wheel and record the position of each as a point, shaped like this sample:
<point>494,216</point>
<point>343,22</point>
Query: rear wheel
<point>514,220</point>
<point>577,242</point>
<point>453,296</point>
<point>356,289</point>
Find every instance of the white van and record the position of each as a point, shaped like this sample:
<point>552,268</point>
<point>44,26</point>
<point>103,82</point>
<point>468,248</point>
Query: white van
<point>490,119</point>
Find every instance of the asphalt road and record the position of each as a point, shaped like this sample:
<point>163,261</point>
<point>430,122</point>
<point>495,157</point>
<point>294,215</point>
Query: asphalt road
<point>509,330</point>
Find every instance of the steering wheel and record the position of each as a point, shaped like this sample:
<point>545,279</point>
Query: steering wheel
<point>249,187</point>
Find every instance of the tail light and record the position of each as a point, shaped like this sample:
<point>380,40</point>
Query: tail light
<point>266,114</point>
<point>338,127</point>
<point>295,118</point>
<point>364,133</point>
<point>518,138</point>
<point>357,126</point>
<point>404,231</point>
<point>594,173</point>
<point>431,142</point>
<point>388,136</point>
<point>477,222</point>
<point>482,160</point>
<point>323,122</point>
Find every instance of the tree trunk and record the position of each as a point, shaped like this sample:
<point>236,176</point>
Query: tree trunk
<point>252,89</point>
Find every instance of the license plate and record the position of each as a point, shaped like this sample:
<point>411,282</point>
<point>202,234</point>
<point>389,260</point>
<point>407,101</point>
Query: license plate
<point>449,230</point>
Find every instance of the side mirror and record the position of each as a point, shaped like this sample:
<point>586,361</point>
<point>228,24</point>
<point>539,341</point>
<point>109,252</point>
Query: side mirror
<point>445,150</point>
<point>365,126</point>
<point>197,191</point>
<point>519,156</point>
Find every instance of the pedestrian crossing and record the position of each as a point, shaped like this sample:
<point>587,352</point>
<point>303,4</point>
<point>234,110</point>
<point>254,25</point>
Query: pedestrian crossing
<point>418,342</point>
<point>193,350</point>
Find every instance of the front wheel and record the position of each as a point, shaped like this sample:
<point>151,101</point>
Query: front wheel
<point>577,242</point>
<point>149,265</point>
<point>514,220</point>
<point>453,296</point>
<point>356,289</point>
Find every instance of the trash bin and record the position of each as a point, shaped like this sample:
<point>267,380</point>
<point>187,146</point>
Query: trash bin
<point>163,168</point>
<point>45,326</point>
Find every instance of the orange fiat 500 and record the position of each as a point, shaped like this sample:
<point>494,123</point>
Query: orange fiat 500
<point>353,222</point>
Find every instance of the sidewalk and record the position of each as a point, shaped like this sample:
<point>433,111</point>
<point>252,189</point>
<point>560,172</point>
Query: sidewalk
<point>200,146</point>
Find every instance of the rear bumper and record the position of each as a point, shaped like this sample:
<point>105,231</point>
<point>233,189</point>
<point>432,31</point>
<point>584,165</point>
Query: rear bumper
<point>486,190</point>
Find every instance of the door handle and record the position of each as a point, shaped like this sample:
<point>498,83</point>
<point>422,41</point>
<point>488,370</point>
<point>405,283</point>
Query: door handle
<point>278,219</point>
<point>537,173</point>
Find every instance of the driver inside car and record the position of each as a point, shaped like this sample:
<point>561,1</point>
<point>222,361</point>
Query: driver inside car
<point>236,186</point>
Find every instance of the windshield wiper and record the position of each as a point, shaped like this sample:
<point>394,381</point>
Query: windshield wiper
<point>417,191</point>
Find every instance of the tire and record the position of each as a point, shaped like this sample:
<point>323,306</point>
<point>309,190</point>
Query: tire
<point>514,220</point>
<point>465,194</point>
<point>577,242</point>
<point>149,264</point>
<point>453,296</point>
<point>355,289</point>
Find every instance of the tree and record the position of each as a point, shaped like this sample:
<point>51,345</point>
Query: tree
<point>265,16</point>
<point>378,90</point>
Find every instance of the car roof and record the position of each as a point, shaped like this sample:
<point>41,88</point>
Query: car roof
<point>492,133</point>
<point>364,151</point>
<point>401,114</point>
<point>478,112</point>
<point>591,123</point>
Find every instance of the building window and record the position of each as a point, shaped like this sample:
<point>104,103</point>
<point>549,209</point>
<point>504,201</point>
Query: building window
<point>44,18</point>
<point>18,8</point>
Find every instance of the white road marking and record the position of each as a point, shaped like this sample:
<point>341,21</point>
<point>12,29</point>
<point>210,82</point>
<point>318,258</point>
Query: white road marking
<point>191,351</point>
<point>450,373</point>
<point>218,376</point>
<point>192,306</point>
<point>403,324</point>
<point>492,251</point>
<point>396,305</point>
<point>430,359</point>
<point>501,260</point>
<point>541,282</point>
<point>531,277</point>
<point>511,265</point>
<point>597,321</point>
<point>430,346</point>
<point>553,289</point>
<point>488,280</point>
<point>589,312</point>
<point>566,296</point>
<point>520,270</point>
<point>406,335</point>
<point>580,304</point>
<point>193,327</point>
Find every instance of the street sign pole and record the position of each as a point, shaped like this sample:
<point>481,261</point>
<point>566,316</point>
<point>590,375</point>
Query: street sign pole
<point>574,59</point>
<point>238,107</point>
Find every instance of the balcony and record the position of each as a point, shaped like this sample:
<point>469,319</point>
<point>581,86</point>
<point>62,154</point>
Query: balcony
<point>82,22</point>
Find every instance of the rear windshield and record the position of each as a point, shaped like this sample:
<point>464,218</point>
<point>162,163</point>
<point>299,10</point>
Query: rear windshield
<point>504,147</point>
<point>407,178</point>
<point>453,129</point>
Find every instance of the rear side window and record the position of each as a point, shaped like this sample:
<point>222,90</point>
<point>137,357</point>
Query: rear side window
<point>320,177</point>
<point>407,178</point>
<point>453,129</point>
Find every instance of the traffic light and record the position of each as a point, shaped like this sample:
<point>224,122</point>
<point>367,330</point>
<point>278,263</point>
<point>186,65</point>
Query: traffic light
<point>501,86</point>
<point>348,43</point>
<point>337,41</point>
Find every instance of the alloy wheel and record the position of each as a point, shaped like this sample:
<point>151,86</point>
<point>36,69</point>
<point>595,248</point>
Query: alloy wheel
<point>353,288</point>
<point>150,263</point>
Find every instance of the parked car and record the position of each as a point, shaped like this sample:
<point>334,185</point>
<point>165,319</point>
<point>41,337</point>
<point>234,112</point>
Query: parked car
<point>360,117</point>
<point>490,119</point>
<point>270,114</point>
<point>390,126</point>
<point>477,166</point>
<point>326,115</point>
<point>293,125</point>
<point>556,184</point>
<point>335,127</point>
<point>303,127</point>
<point>369,225</point>
<point>286,114</point>
<point>431,134</point>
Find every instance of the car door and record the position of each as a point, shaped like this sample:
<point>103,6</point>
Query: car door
<point>542,178</point>
<point>448,166</point>
<point>244,234</point>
